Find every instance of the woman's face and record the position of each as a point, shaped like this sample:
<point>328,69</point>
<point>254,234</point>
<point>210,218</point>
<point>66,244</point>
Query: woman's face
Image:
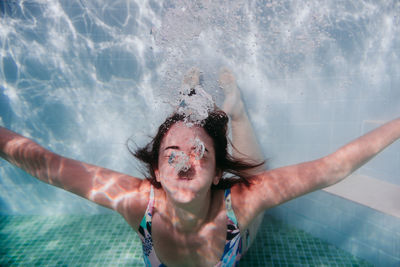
<point>186,162</point>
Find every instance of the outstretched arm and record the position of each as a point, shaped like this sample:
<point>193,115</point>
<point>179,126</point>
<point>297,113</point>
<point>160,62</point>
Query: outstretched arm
<point>105,187</point>
<point>277,186</point>
<point>289,182</point>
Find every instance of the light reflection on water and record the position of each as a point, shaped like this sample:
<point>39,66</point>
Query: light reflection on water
<point>81,77</point>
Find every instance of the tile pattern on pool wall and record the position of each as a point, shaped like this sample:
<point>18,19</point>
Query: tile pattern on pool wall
<point>357,229</point>
<point>107,240</point>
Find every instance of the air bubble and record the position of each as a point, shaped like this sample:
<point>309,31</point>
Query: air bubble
<point>199,148</point>
<point>180,161</point>
<point>195,104</point>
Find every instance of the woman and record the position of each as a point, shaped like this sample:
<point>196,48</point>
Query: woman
<point>186,212</point>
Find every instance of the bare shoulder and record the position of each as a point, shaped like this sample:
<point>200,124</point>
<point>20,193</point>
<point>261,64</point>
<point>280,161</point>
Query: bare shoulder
<point>274,187</point>
<point>248,201</point>
<point>135,203</point>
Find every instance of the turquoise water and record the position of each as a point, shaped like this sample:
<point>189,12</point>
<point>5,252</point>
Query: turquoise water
<point>107,240</point>
<point>81,77</point>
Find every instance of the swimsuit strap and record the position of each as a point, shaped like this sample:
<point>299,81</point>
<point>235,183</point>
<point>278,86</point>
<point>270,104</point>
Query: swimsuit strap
<point>228,205</point>
<point>149,255</point>
<point>150,206</point>
<point>233,245</point>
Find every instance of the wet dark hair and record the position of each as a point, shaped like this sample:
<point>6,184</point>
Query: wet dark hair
<point>216,126</point>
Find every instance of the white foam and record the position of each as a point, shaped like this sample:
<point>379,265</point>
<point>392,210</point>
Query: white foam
<point>199,148</point>
<point>196,105</point>
<point>179,160</point>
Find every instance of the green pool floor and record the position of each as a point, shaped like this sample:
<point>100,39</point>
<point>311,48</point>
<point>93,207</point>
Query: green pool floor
<point>107,240</point>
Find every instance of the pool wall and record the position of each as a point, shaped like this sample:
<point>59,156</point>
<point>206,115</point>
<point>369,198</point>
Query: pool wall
<point>362,231</point>
<point>305,130</point>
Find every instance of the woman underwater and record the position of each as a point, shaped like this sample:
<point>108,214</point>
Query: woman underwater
<point>187,212</point>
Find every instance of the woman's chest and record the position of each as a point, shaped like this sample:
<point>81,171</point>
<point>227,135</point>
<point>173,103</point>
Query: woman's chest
<point>202,248</point>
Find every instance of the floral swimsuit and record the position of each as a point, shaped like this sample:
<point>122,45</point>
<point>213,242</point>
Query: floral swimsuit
<point>233,245</point>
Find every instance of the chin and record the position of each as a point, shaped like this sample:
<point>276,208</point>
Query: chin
<point>182,193</point>
<point>183,197</point>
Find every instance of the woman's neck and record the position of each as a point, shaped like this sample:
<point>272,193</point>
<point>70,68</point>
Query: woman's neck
<point>189,217</point>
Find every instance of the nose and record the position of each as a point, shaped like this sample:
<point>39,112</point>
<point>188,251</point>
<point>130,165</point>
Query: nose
<point>188,172</point>
<point>189,166</point>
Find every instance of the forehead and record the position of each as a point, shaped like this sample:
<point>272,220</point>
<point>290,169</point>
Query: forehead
<point>180,135</point>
